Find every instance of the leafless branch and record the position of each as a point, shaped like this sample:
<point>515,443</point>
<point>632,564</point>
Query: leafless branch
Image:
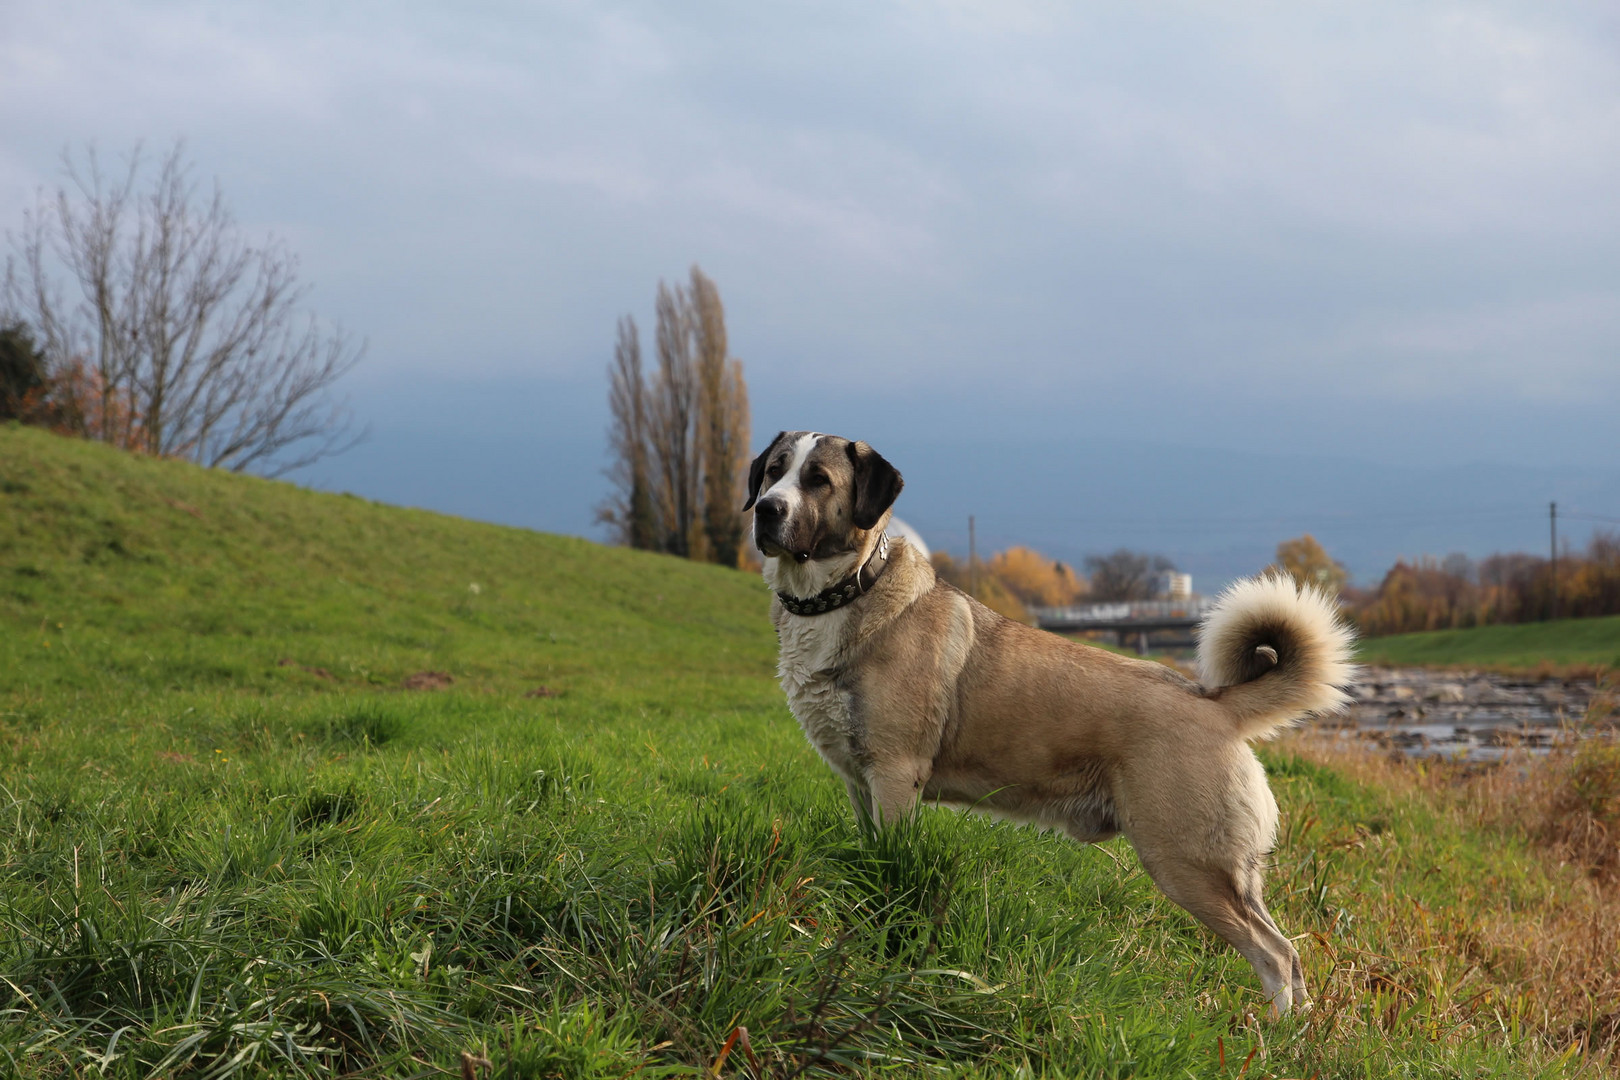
<point>192,337</point>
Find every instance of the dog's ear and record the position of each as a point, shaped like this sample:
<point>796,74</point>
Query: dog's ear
<point>877,484</point>
<point>756,471</point>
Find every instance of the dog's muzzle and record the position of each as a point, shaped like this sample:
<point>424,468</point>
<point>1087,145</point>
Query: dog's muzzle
<point>770,518</point>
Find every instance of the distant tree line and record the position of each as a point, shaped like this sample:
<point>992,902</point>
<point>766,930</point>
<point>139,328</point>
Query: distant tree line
<point>1455,591</point>
<point>1414,595</point>
<point>1020,578</point>
<point>1442,594</point>
<point>140,315</point>
<point>678,436</point>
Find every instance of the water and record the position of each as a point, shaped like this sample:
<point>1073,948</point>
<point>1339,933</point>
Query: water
<point>1467,715</point>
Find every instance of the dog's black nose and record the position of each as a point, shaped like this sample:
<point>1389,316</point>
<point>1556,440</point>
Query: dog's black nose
<point>770,509</point>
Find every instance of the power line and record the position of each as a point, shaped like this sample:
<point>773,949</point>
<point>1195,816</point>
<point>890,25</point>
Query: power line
<point>1334,515</point>
<point>1338,517</point>
<point>1338,522</point>
<point>1552,515</point>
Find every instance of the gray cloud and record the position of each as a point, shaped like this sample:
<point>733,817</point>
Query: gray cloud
<point>1384,231</point>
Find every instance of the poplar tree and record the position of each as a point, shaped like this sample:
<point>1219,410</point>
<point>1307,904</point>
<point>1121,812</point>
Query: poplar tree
<point>629,511</point>
<point>678,436</point>
<point>673,430</point>
<point>723,423</point>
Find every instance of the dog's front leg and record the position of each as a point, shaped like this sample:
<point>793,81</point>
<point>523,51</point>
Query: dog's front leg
<point>860,798</point>
<point>896,786</point>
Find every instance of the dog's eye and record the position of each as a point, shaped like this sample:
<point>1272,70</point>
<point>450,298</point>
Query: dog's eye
<point>773,473</point>
<point>816,479</point>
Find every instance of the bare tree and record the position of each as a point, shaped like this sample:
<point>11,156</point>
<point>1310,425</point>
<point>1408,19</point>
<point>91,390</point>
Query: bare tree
<point>1124,574</point>
<point>629,510</point>
<point>679,439</point>
<point>673,424</point>
<point>723,422</point>
<point>177,335</point>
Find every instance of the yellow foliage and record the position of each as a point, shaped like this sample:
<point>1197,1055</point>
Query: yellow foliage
<point>1013,581</point>
<point>996,596</point>
<point>1308,563</point>
<point>1036,580</point>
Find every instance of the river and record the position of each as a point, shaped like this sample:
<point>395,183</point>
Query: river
<point>1471,715</point>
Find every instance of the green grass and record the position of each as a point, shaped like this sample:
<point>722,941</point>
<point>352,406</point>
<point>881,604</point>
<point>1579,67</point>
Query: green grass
<point>1527,646</point>
<point>216,863</point>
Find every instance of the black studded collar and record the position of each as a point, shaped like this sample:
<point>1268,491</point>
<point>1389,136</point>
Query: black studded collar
<point>853,586</point>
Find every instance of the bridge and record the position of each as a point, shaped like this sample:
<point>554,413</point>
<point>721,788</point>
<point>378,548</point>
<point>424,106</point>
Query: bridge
<point>1133,619</point>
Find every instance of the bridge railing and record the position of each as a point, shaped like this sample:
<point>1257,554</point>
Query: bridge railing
<point>1125,611</point>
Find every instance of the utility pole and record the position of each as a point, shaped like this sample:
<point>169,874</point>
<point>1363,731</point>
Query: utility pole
<point>973,561</point>
<point>1552,514</point>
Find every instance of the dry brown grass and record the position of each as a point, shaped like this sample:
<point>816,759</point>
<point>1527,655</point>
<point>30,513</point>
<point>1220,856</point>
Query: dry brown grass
<point>1546,957</point>
<point>1541,671</point>
<point>1548,669</point>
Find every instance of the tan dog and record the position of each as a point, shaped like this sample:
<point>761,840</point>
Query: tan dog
<point>911,690</point>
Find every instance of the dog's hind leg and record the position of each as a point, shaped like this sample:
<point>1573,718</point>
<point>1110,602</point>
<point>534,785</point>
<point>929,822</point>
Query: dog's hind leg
<point>1230,904</point>
<point>1296,978</point>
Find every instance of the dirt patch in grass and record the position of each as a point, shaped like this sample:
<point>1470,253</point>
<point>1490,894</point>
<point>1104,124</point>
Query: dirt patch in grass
<point>428,680</point>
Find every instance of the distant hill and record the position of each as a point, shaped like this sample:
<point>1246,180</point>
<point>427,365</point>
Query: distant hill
<point>1527,646</point>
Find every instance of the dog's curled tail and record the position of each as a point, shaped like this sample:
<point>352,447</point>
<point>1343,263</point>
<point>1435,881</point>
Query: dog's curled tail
<point>1272,653</point>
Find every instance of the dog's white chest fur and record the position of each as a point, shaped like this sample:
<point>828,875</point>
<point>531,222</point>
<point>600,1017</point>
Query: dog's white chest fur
<point>811,654</point>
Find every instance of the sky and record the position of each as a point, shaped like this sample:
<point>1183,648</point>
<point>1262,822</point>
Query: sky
<point>1188,278</point>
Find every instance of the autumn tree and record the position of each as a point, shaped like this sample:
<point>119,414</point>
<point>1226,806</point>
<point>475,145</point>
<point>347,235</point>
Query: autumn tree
<point>1515,587</point>
<point>1013,581</point>
<point>1593,586</point>
<point>1124,574</point>
<point>723,422</point>
<point>184,337</point>
<point>1036,580</point>
<point>1308,563</point>
<point>672,429</point>
<point>678,439</point>
<point>984,586</point>
<point>1420,595</point>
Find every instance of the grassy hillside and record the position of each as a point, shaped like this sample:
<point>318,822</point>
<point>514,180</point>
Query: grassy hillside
<point>235,843</point>
<point>1566,643</point>
<point>162,578</point>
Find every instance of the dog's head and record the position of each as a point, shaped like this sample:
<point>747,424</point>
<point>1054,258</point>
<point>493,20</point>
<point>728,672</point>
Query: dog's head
<point>817,496</point>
